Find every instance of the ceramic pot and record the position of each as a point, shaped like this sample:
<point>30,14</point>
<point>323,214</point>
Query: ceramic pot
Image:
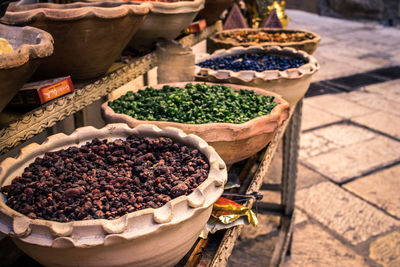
<point>88,37</point>
<point>291,84</point>
<point>213,9</point>
<point>309,45</point>
<point>30,46</point>
<point>233,142</point>
<point>149,237</point>
<point>165,21</point>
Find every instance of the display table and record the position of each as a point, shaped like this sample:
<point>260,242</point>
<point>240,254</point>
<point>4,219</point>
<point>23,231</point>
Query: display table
<point>215,250</point>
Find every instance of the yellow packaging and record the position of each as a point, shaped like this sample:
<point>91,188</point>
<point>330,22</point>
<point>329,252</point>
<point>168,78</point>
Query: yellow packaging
<point>5,47</point>
<point>227,211</point>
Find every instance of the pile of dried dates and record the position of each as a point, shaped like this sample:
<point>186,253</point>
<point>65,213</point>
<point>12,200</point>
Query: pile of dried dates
<point>106,180</point>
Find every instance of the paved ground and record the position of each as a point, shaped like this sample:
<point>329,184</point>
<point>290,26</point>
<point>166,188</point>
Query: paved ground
<point>348,200</point>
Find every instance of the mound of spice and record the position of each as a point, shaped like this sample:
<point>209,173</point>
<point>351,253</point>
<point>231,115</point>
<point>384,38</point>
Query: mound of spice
<point>258,62</point>
<point>260,37</point>
<point>194,104</point>
<point>106,180</point>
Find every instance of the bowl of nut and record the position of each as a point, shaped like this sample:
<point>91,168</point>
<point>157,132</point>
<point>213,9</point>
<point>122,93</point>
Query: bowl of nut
<point>114,196</point>
<point>266,37</point>
<point>237,121</point>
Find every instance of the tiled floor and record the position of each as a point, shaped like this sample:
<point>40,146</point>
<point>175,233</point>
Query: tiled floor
<point>349,172</point>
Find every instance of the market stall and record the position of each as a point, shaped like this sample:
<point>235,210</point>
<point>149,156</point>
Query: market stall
<point>20,125</point>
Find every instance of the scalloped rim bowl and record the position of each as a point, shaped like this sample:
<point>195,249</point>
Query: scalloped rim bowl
<point>291,84</point>
<point>309,45</point>
<point>24,13</point>
<point>17,67</point>
<point>40,45</point>
<point>149,237</point>
<point>233,142</point>
<point>88,37</point>
<point>165,21</point>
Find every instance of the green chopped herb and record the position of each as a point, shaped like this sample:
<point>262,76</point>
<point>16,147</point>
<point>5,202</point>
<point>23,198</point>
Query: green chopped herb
<point>194,104</point>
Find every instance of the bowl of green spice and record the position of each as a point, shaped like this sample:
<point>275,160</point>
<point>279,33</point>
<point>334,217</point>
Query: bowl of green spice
<point>238,121</point>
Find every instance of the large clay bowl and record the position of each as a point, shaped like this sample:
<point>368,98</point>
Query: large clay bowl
<point>149,237</point>
<point>213,9</point>
<point>233,142</point>
<point>308,45</point>
<point>165,21</point>
<point>16,68</point>
<point>88,37</point>
<point>291,84</point>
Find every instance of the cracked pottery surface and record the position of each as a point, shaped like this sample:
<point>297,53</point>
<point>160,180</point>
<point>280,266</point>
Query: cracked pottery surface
<point>233,142</point>
<point>309,45</point>
<point>165,21</point>
<point>97,33</point>
<point>291,84</point>
<point>30,46</point>
<point>149,237</point>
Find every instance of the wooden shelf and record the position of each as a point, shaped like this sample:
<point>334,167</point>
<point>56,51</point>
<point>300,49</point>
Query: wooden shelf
<point>18,127</point>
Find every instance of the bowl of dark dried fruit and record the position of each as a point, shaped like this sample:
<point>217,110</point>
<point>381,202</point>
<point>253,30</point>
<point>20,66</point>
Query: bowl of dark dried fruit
<point>285,71</point>
<point>88,37</point>
<point>21,51</point>
<point>114,196</point>
<point>238,121</point>
<point>297,39</point>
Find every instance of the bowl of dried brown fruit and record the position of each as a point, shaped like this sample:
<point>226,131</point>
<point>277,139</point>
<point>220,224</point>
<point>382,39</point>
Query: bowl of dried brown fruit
<point>114,196</point>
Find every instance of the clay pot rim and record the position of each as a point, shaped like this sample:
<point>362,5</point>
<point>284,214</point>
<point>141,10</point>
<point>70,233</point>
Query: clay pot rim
<point>225,131</point>
<point>60,234</point>
<point>26,52</point>
<point>175,7</point>
<point>22,14</point>
<point>307,69</point>
<point>315,40</point>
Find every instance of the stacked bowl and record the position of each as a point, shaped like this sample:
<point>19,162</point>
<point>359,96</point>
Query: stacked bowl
<point>88,37</point>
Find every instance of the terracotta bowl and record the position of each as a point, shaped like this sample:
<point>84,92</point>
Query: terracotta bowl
<point>233,142</point>
<point>16,68</point>
<point>165,21</point>
<point>291,84</point>
<point>309,45</point>
<point>88,37</point>
<point>213,9</point>
<point>149,237</point>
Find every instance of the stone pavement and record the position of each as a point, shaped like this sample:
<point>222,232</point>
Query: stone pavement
<point>348,200</point>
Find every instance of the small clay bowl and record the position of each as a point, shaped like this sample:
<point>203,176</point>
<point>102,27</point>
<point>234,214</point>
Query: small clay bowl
<point>165,21</point>
<point>30,46</point>
<point>213,9</point>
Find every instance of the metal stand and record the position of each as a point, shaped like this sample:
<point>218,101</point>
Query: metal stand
<point>289,175</point>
